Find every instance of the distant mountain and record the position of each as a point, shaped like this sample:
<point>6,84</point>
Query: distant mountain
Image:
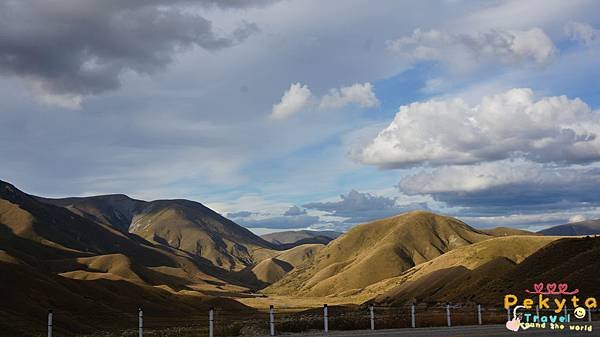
<point>376,251</point>
<point>180,224</point>
<point>507,231</point>
<point>289,239</point>
<point>588,227</point>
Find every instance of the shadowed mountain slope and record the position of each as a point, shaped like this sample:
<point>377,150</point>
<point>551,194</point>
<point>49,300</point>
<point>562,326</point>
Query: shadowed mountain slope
<point>458,275</point>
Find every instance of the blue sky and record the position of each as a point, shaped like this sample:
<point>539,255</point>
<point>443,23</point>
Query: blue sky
<point>305,114</point>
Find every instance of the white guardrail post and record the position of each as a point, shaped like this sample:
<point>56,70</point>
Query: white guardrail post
<point>479,314</point>
<point>448,314</point>
<point>50,314</point>
<point>325,319</point>
<point>140,323</point>
<point>272,320</point>
<point>211,321</point>
<point>412,316</point>
<point>372,316</point>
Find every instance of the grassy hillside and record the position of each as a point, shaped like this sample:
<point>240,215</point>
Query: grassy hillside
<point>458,275</point>
<point>376,251</point>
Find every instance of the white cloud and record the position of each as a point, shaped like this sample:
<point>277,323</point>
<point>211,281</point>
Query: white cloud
<point>361,94</point>
<point>299,97</point>
<point>486,176</point>
<point>296,98</point>
<point>464,52</point>
<point>577,218</point>
<point>583,33</point>
<point>512,124</point>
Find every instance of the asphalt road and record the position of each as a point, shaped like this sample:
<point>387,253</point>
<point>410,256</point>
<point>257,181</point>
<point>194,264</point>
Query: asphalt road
<point>458,331</point>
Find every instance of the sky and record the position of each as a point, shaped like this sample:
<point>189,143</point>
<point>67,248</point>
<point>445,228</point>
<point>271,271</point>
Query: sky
<point>302,114</point>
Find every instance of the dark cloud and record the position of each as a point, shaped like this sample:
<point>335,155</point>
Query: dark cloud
<point>281,222</point>
<point>294,211</point>
<point>82,47</point>
<point>240,214</point>
<point>506,188</point>
<point>362,207</point>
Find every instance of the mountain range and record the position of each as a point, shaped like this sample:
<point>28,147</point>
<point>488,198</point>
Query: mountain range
<point>112,254</point>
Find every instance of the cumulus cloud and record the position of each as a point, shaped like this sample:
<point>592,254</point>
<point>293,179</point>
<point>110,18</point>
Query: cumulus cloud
<point>361,94</point>
<point>69,49</point>
<point>583,33</point>
<point>513,124</point>
<point>295,99</point>
<point>507,187</point>
<point>362,207</point>
<point>294,211</point>
<point>462,52</point>
<point>299,97</point>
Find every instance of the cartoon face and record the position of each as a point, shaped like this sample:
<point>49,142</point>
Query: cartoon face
<point>580,312</point>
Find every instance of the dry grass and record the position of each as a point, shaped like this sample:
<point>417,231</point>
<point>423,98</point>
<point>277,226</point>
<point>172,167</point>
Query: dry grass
<point>376,251</point>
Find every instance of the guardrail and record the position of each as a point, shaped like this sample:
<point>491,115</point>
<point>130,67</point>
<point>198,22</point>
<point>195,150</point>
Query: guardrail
<point>219,322</point>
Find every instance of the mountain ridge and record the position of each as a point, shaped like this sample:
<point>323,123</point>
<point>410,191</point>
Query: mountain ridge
<point>587,227</point>
<point>176,223</point>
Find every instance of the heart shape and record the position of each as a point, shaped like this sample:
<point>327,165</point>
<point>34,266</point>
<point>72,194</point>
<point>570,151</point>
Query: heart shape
<point>538,287</point>
<point>513,325</point>
<point>563,287</point>
<point>551,287</point>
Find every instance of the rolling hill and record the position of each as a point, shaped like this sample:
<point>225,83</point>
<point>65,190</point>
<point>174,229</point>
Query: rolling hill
<point>376,251</point>
<point>271,270</point>
<point>497,267</point>
<point>459,274</point>
<point>588,227</point>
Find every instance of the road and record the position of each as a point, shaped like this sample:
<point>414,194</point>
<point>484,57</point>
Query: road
<point>458,331</point>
